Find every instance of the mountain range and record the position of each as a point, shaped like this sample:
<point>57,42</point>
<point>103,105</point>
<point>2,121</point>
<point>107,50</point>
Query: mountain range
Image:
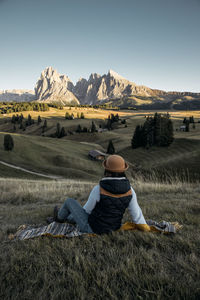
<point>109,88</point>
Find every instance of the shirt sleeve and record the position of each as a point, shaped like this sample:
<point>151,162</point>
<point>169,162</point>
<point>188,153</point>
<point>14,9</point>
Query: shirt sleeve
<point>135,210</point>
<point>93,198</point>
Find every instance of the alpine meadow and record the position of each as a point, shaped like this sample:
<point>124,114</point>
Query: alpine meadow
<point>99,170</point>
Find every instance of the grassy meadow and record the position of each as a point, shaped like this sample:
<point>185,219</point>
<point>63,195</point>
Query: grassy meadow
<point>122,265</point>
<point>68,157</point>
<point>126,265</point>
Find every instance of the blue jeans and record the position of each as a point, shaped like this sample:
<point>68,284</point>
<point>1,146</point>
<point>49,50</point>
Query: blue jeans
<point>72,211</point>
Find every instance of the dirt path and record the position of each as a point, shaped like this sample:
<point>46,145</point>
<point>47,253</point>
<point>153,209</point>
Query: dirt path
<point>31,172</point>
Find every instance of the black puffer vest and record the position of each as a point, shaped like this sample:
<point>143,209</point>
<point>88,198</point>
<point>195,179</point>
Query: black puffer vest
<point>115,195</point>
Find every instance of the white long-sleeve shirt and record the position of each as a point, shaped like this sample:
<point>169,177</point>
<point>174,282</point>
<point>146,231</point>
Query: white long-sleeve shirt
<point>134,209</point>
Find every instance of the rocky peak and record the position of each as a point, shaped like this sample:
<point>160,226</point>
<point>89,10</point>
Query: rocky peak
<point>115,75</point>
<point>109,86</point>
<point>93,77</point>
<point>54,87</point>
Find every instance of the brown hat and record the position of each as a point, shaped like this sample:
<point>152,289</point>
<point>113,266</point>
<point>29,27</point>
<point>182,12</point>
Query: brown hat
<point>115,163</point>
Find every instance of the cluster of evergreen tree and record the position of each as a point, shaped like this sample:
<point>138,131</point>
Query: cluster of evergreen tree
<point>190,120</point>
<point>157,130</point>
<point>23,123</point>
<point>80,116</point>
<point>96,106</point>
<point>69,116</point>
<point>56,105</point>
<point>112,119</point>
<point>29,121</point>
<point>80,129</point>
<point>17,119</point>
<point>60,131</point>
<point>10,107</point>
<point>187,123</point>
<point>85,129</point>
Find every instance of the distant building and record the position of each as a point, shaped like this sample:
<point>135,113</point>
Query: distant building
<point>182,128</point>
<point>102,130</point>
<point>96,155</point>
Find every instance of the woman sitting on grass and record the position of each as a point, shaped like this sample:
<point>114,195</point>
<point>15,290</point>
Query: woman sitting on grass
<point>107,202</point>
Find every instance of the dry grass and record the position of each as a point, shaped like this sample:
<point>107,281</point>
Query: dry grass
<point>125,265</point>
<point>90,113</point>
<point>68,157</point>
<point>130,265</point>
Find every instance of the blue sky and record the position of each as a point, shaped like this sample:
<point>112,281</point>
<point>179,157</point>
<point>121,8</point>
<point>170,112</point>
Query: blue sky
<point>150,42</point>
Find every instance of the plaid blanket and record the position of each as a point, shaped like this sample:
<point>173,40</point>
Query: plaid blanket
<point>65,230</point>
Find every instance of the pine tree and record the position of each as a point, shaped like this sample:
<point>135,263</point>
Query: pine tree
<point>187,126</point>
<point>79,129</point>
<point>21,117</point>
<point>160,126</point>
<point>191,119</point>
<point>136,140</point>
<point>62,132</point>
<point>67,116</point>
<point>13,119</point>
<point>8,142</point>
<point>93,128</point>
<point>44,126</point>
<point>85,129</point>
<point>147,133</point>
<point>29,121</point>
<point>58,130</point>
<point>109,124</point>
<point>157,129</point>
<point>17,118</point>
<point>170,132</point>
<point>82,116</point>
<point>39,120</point>
<point>110,148</point>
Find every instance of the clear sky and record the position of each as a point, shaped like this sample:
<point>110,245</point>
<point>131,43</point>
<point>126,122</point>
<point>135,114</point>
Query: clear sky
<point>150,42</point>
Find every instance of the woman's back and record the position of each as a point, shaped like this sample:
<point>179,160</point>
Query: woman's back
<point>115,196</point>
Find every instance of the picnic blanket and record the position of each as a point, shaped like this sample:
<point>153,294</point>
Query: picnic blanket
<point>66,230</point>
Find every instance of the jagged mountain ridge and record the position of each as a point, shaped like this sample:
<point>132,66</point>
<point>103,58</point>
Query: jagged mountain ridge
<point>109,86</point>
<point>99,89</point>
<point>17,95</point>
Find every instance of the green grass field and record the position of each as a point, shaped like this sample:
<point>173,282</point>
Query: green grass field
<point>68,157</point>
<point>122,265</point>
<point>51,156</point>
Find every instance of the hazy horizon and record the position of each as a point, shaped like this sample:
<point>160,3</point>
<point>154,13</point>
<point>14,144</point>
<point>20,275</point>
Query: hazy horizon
<point>153,44</point>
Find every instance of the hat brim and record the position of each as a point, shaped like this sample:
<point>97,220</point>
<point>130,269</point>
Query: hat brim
<point>115,170</point>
